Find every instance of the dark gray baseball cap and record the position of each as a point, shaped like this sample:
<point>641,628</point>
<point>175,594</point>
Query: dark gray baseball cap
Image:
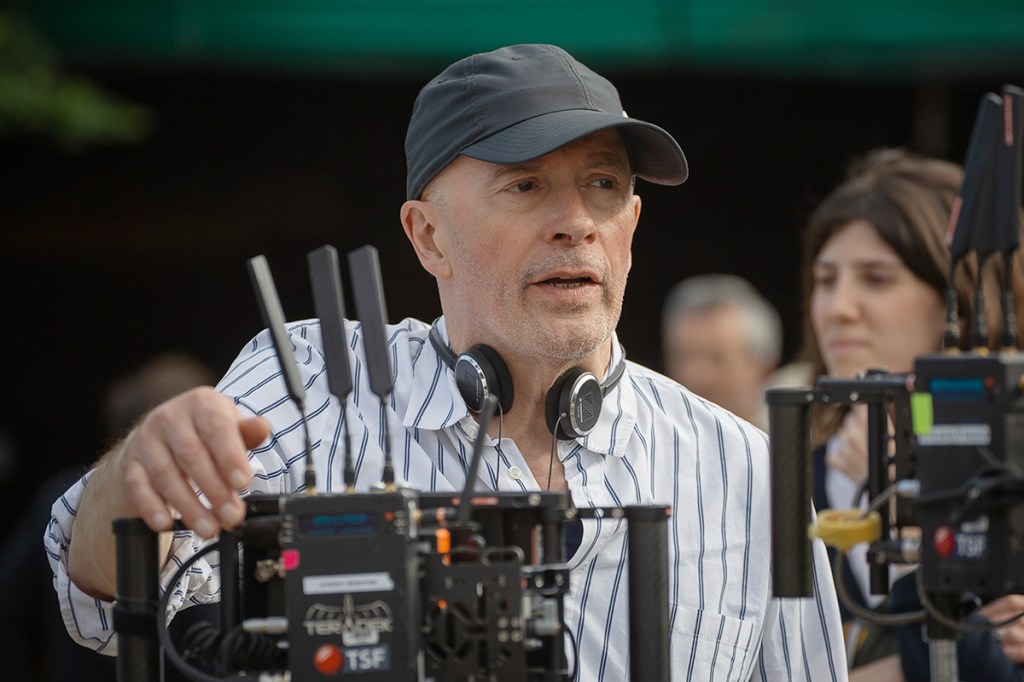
<point>519,103</point>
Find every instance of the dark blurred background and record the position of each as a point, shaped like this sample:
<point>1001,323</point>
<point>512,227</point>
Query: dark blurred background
<point>150,148</point>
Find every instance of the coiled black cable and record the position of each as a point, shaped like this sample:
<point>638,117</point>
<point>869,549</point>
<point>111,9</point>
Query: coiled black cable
<point>237,647</point>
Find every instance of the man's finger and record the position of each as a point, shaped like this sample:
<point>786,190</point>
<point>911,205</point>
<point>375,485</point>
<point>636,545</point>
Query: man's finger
<point>254,431</point>
<point>150,505</point>
<point>170,483</point>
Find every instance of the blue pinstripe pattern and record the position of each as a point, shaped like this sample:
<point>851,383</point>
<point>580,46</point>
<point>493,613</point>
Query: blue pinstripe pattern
<point>725,514</point>
<point>655,443</point>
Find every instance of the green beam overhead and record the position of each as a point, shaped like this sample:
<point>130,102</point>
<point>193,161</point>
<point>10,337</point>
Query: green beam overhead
<point>858,38</point>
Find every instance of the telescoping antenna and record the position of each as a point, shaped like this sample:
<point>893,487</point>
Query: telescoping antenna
<point>273,318</point>
<point>329,306</point>
<point>368,291</point>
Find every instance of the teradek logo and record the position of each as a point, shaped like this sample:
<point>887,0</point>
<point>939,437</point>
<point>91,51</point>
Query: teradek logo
<point>356,624</point>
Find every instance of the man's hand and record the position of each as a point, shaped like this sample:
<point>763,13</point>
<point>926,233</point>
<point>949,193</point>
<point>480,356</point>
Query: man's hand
<point>198,437</point>
<point>1011,637</point>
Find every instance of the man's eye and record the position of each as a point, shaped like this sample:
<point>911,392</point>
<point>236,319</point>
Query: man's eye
<point>524,186</point>
<point>604,183</point>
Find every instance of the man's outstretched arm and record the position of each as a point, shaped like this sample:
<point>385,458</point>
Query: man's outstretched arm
<point>197,440</point>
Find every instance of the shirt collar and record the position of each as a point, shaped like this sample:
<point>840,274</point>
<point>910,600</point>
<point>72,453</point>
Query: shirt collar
<point>435,403</point>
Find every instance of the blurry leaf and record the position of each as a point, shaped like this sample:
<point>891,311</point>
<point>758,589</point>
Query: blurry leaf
<point>38,98</point>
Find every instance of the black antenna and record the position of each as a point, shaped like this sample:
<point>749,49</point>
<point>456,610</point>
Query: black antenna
<point>972,212</point>
<point>273,318</point>
<point>1008,202</point>
<point>329,306</point>
<point>487,411</point>
<point>369,296</point>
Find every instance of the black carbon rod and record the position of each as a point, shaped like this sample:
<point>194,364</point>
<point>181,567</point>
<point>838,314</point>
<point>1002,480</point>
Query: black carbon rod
<point>138,581</point>
<point>648,593</point>
<point>789,426</point>
<point>878,476</point>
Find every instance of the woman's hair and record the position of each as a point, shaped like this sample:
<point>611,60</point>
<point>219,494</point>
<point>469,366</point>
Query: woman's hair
<point>908,199</point>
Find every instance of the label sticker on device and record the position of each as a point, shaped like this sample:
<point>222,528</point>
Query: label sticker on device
<point>957,434</point>
<point>348,582</point>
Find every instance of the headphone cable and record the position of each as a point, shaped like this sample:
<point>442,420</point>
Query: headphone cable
<point>554,448</point>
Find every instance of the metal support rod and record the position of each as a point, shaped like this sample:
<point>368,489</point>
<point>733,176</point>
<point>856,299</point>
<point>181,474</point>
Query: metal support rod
<point>878,476</point>
<point>942,660</point>
<point>648,593</point>
<point>791,480</point>
<point>138,652</point>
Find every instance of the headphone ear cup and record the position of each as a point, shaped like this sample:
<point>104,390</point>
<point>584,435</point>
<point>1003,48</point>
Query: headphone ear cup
<point>480,372</point>
<point>576,397</point>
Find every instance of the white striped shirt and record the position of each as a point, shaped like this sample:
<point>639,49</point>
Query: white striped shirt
<point>655,442</point>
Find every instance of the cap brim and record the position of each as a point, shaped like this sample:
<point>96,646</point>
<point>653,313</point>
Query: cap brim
<point>655,154</point>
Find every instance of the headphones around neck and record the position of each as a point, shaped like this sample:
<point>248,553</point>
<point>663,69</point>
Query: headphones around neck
<point>573,403</point>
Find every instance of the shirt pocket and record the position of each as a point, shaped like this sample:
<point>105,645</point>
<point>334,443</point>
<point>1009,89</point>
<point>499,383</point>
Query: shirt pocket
<point>711,646</point>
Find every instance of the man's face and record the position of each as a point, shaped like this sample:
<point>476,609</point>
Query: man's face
<point>537,253</point>
<point>708,351</point>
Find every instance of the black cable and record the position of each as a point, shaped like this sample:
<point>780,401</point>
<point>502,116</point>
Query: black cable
<point>967,628</point>
<point>484,423</point>
<point>862,612</point>
<point>1009,336</point>
<point>575,650</point>
<point>497,449</point>
<point>951,335</point>
<point>980,324</point>
<point>388,475</point>
<point>350,469</point>
<point>310,473</point>
<point>170,651</point>
<point>554,449</point>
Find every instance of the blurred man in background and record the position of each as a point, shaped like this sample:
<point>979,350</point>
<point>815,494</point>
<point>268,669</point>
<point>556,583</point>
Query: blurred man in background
<point>722,340</point>
<point>34,644</point>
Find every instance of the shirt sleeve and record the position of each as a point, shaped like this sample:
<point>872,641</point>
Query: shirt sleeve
<point>803,638</point>
<point>89,621</point>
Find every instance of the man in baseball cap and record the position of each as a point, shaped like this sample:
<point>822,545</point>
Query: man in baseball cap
<point>521,205</point>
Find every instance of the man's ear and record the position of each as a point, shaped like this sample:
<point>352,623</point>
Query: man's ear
<point>636,221</point>
<point>419,220</point>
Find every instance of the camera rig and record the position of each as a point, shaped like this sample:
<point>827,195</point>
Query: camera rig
<point>953,467</point>
<point>388,584</point>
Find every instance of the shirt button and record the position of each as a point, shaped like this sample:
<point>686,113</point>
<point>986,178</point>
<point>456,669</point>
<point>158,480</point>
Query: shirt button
<point>515,473</point>
<point>472,430</point>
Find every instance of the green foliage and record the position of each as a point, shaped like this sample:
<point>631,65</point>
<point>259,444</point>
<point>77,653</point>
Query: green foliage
<point>39,98</point>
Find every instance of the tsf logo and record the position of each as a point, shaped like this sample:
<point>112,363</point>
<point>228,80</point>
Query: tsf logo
<point>361,659</point>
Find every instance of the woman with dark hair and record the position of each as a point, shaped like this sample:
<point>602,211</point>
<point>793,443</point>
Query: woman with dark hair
<point>875,274</point>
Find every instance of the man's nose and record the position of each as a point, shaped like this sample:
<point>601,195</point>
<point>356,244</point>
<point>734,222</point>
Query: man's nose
<point>572,221</point>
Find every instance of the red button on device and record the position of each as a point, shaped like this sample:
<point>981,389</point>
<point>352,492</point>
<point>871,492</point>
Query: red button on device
<point>328,659</point>
<point>944,541</point>
<point>290,559</point>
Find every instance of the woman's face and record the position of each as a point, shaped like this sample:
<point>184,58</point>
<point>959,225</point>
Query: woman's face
<point>868,310</point>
